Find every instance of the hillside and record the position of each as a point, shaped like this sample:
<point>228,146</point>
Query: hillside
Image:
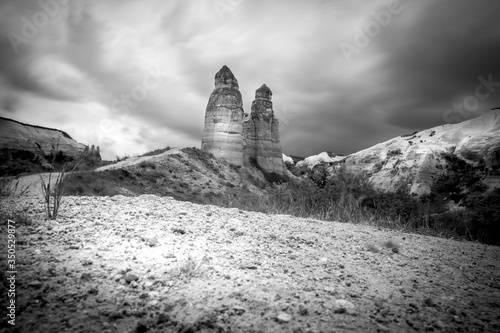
<point>36,139</point>
<point>184,174</point>
<point>26,149</point>
<point>416,160</point>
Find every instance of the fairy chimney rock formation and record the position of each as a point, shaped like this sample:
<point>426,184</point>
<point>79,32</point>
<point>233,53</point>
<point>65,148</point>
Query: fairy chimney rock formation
<point>261,141</point>
<point>222,134</point>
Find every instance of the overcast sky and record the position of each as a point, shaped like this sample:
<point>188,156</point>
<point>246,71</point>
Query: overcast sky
<point>132,76</point>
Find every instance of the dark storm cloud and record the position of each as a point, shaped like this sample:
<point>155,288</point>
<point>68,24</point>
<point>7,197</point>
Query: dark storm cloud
<point>88,61</point>
<point>436,60</point>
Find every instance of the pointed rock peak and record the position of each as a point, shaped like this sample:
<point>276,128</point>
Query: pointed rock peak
<point>264,92</point>
<point>225,78</point>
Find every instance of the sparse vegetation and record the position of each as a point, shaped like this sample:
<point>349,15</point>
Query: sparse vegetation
<point>122,158</point>
<point>476,206</point>
<point>9,187</point>
<point>157,151</point>
<point>53,192</point>
<point>15,162</point>
<point>19,217</point>
<point>342,197</point>
<point>271,177</point>
<point>147,164</point>
<point>189,268</point>
<point>394,152</point>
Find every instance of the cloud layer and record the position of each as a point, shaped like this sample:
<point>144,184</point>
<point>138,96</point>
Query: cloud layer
<point>133,76</point>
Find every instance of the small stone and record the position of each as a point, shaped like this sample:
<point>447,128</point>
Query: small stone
<point>131,277</point>
<point>343,306</point>
<point>382,328</point>
<point>238,310</point>
<point>183,213</point>
<point>163,318</point>
<point>93,291</point>
<point>115,315</point>
<point>329,290</point>
<point>86,262</point>
<point>35,284</point>
<point>283,317</point>
<point>439,324</point>
<point>86,277</point>
<point>178,231</point>
<point>151,241</point>
<point>413,305</point>
<point>429,302</point>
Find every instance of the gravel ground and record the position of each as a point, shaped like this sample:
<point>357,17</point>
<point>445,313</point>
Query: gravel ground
<point>151,264</point>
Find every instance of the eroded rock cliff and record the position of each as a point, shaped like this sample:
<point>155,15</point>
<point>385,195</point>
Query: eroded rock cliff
<point>261,141</point>
<point>38,140</point>
<point>416,160</point>
<point>222,134</point>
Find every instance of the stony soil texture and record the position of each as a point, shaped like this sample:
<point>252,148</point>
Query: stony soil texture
<point>153,264</point>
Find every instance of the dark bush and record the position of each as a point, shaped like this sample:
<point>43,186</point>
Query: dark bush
<point>157,151</point>
<point>147,164</point>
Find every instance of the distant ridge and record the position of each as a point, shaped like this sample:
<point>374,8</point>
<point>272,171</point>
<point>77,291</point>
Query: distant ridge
<point>417,159</point>
<point>36,126</point>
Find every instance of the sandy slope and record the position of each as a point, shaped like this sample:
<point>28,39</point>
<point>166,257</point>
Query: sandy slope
<point>150,264</point>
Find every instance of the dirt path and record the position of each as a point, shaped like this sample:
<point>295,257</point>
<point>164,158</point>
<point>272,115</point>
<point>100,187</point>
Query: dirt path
<point>30,186</point>
<point>149,264</point>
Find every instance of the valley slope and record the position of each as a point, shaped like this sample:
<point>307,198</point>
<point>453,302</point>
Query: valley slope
<point>417,160</point>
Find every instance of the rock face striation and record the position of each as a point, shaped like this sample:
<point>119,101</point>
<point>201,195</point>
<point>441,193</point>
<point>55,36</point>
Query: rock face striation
<point>22,145</point>
<point>251,140</point>
<point>261,141</point>
<point>41,141</point>
<point>223,119</point>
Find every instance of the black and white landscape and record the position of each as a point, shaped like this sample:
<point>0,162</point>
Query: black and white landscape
<point>250,166</point>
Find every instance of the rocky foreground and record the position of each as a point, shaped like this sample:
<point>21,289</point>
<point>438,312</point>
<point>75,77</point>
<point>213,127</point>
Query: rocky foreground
<point>151,264</point>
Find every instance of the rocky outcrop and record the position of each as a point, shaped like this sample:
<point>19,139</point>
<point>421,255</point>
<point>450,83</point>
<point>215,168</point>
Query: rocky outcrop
<point>222,134</point>
<point>416,160</point>
<point>250,141</point>
<point>40,141</point>
<point>324,157</point>
<point>261,141</point>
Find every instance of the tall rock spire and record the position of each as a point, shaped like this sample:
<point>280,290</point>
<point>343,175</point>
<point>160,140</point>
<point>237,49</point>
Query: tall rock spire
<point>222,134</point>
<point>261,141</point>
